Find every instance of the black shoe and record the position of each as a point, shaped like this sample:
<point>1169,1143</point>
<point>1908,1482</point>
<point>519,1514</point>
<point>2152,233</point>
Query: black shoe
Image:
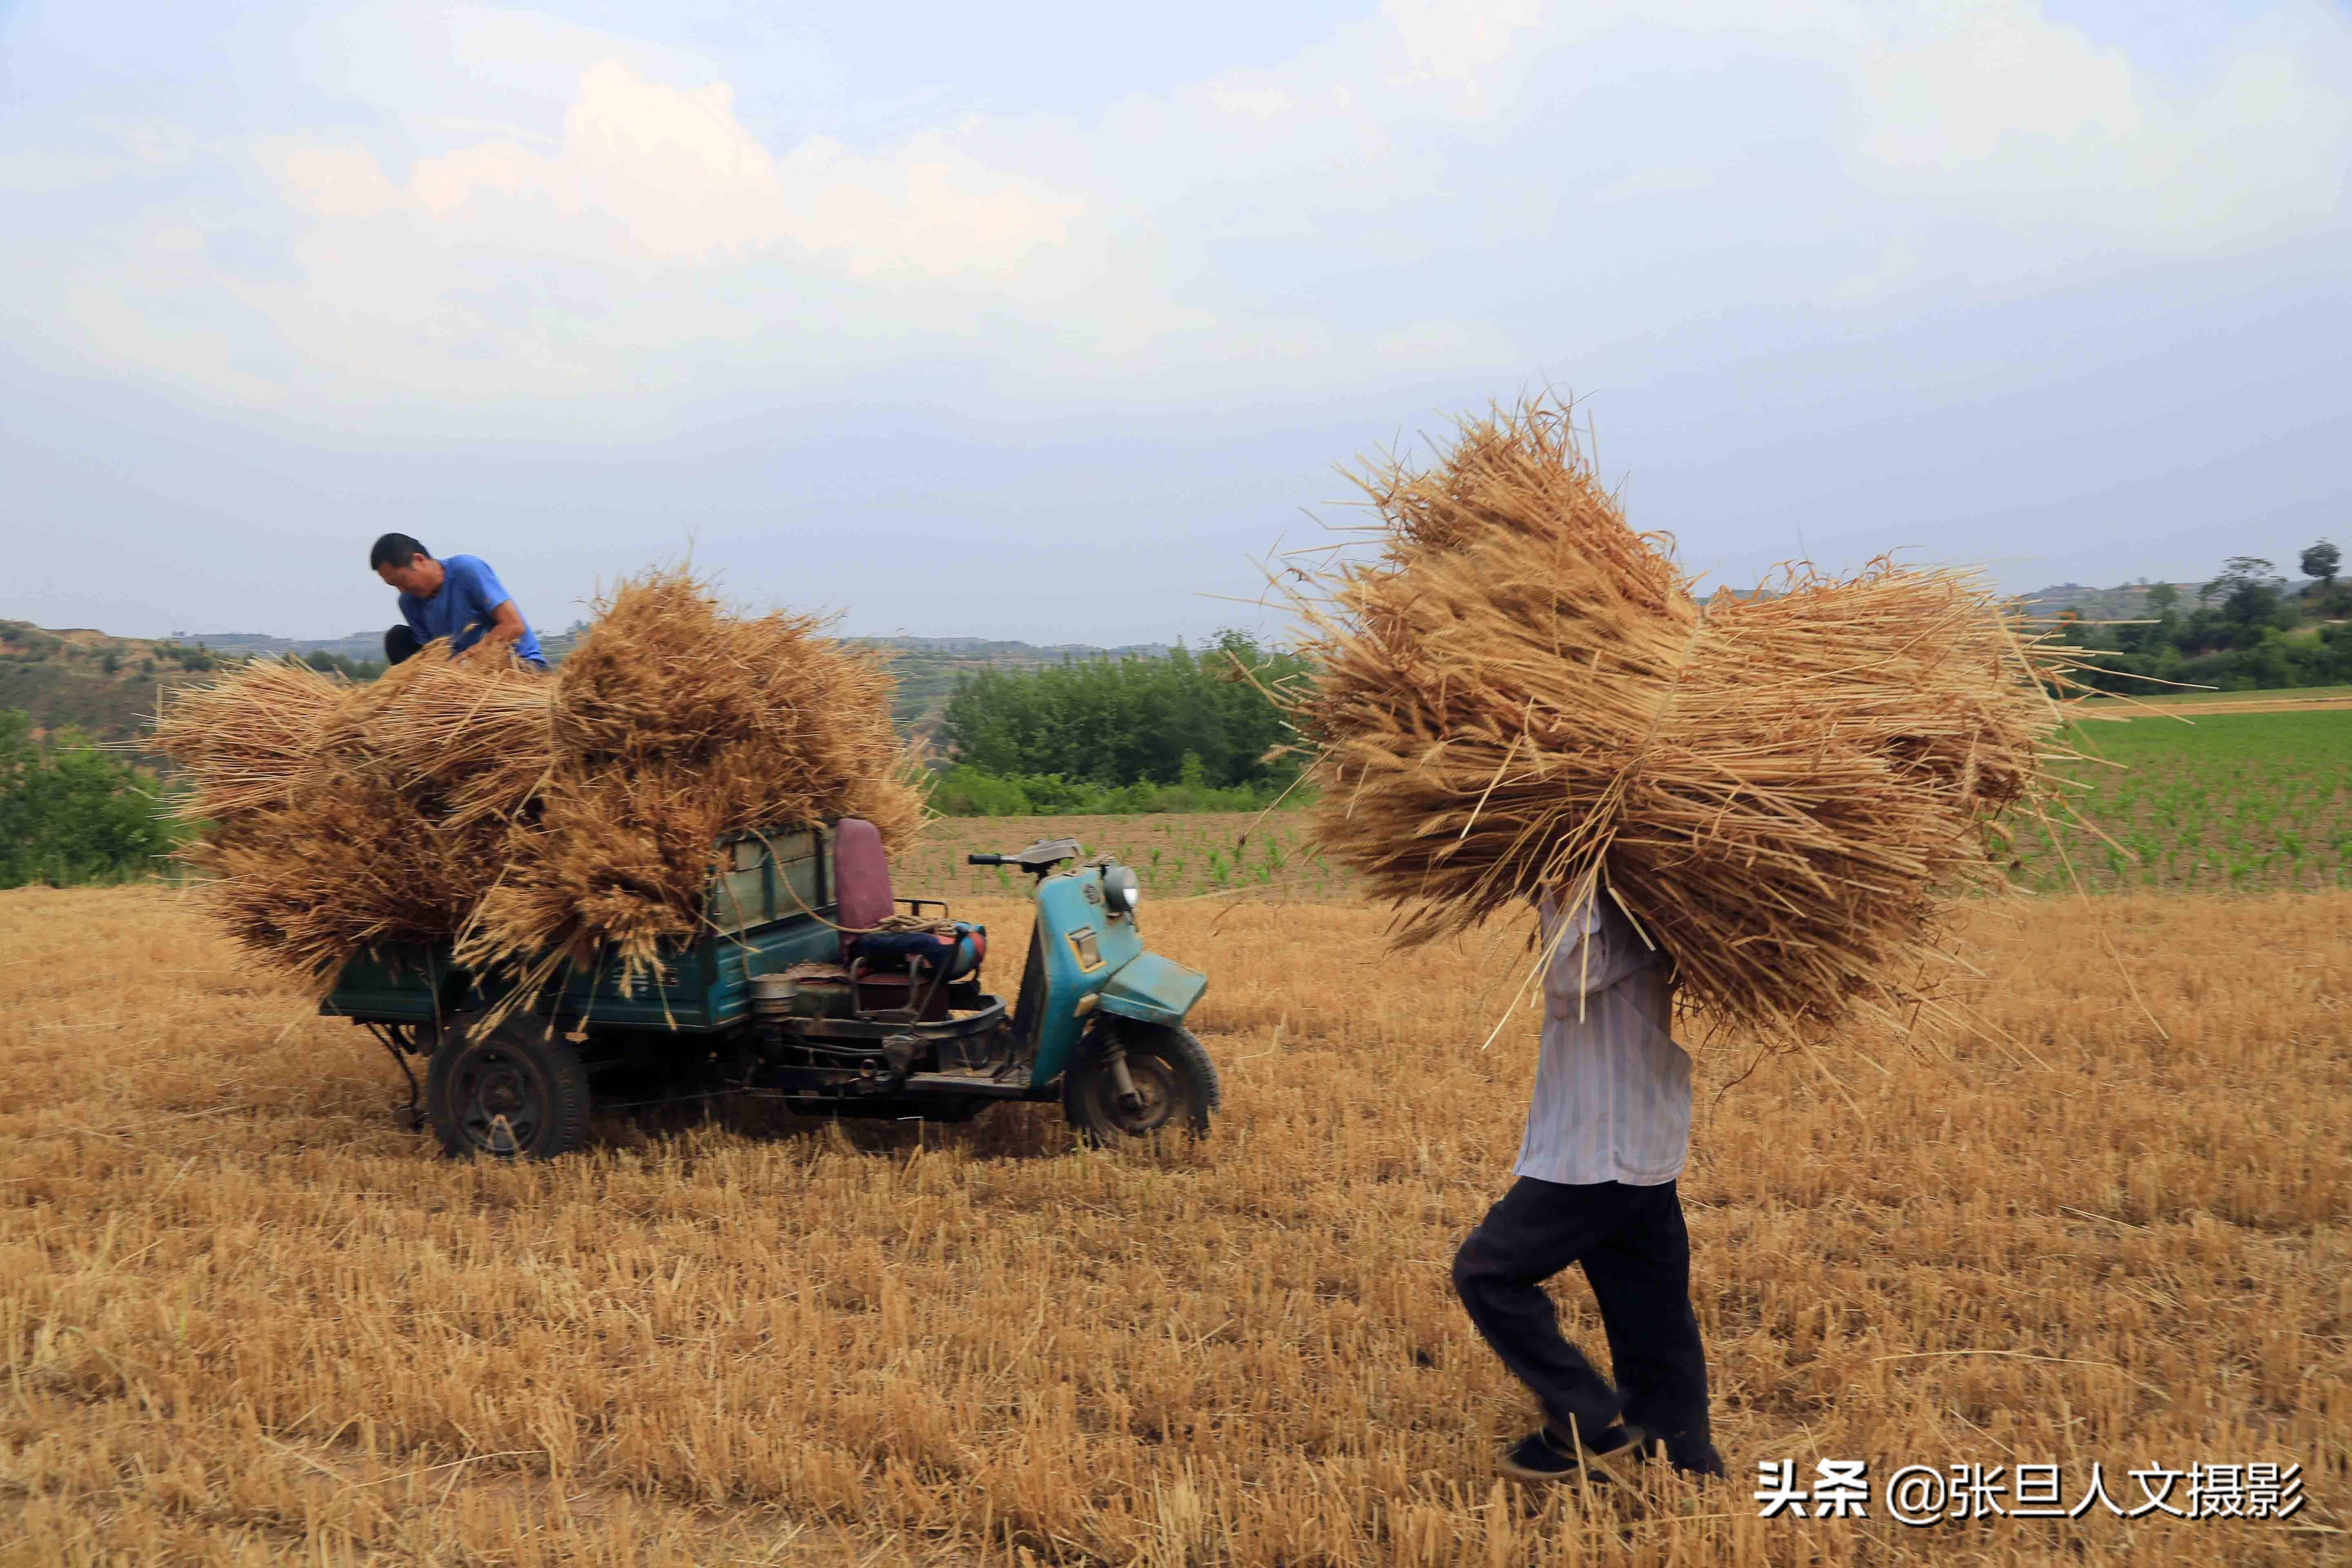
<point>1540,1457</point>
<point>1690,1461</point>
<point>1703,1465</point>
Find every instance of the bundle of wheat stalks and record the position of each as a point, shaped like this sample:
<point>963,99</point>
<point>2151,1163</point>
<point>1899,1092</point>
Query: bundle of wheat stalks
<point>1521,696</point>
<point>539,820</point>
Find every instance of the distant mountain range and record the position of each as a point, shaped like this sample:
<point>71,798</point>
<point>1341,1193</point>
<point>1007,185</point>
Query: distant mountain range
<point>2121,600</point>
<point>2126,603</point>
<point>2123,603</point>
<point>370,645</point>
<point>108,687</point>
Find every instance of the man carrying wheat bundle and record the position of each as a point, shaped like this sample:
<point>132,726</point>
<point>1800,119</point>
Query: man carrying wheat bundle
<point>1607,1133</point>
<point>1761,807</point>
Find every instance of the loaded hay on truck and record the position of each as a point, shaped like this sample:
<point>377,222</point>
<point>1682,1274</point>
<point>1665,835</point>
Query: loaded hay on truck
<point>535,819</point>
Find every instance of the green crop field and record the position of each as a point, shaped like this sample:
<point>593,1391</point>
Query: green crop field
<point>2231,803</point>
<point>1177,855</point>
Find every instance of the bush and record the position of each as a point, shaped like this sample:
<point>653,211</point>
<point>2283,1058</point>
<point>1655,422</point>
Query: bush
<point>197,659</point>
<point>71,815</point>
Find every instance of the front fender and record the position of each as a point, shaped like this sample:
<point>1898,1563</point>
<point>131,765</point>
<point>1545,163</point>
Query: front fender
<point>1151,990</point>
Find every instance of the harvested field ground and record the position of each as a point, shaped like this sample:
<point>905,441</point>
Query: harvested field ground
<point>244,1319</point>
<point>1186,855</point>
<point>2292,700</point>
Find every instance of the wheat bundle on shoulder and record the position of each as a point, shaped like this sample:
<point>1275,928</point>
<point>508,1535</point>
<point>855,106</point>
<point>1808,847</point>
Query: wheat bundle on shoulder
<point>532,820</point>
<point>1521,696</point>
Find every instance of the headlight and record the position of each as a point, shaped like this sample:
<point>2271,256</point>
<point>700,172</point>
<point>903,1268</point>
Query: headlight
<point>1121,891</point>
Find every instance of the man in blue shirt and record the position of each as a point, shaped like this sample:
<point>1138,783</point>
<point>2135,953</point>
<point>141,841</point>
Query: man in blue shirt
<point>460,599</point>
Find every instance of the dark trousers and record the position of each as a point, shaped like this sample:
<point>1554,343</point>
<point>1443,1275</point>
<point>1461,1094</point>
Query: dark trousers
<point>1636,1254</point>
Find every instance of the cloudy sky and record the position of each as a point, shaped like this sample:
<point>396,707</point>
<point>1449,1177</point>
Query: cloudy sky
<point>1043,320</point>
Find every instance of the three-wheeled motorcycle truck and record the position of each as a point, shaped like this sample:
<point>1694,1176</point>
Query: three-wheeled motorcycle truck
<point>809,984</point>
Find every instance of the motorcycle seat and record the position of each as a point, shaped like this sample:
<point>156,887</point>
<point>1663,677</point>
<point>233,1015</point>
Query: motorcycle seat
<point>899,950</point>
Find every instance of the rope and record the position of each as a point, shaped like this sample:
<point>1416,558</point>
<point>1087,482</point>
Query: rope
<point>895,925</point>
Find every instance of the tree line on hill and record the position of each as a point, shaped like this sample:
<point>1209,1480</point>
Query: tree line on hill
<point>2247,630</point>
<point>1183,731</point>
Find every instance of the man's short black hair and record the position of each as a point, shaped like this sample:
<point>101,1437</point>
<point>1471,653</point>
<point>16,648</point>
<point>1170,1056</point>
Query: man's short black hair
<point>395,550</point>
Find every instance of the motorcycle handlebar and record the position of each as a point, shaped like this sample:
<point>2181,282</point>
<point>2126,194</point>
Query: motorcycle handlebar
<point>983,860</point>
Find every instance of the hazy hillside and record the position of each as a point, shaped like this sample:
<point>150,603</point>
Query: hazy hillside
<point>2127,602</point>
<point>360,647</point>
<point>108,687</point>
<point>928,668</point>
<point>246,644</point>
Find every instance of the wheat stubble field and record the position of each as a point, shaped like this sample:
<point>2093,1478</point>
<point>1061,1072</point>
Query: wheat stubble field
<point>243,1317</point>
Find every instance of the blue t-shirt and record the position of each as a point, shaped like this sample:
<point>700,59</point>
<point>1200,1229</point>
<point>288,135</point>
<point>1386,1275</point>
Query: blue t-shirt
<point>465,609</point>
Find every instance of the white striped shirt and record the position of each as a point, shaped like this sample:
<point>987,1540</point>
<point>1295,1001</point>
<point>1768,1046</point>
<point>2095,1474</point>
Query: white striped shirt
<point>1612,1094</point>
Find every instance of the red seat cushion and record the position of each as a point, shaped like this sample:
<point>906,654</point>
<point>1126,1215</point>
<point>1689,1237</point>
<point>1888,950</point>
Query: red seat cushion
<point>861,876</point>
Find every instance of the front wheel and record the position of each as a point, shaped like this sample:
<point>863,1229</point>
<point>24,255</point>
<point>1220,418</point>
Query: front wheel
<point>515,1092</point>
<point>1170,1084</point>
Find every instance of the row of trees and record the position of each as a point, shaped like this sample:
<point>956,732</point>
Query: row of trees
<point>1187,721</point>
<point>71,814</point>
<point>2246,629</point>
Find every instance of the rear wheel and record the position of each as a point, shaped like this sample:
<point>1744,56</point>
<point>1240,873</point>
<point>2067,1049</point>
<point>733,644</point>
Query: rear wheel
<point>515,1092</point>
<point>1172,1086</point>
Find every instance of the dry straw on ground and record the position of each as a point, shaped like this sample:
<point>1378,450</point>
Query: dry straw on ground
<point>249,1320</point>
<point>1522,696</point>
<point>540,820</point>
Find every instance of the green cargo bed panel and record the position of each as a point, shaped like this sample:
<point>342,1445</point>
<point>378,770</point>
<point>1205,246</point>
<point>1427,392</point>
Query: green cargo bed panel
<point>391,986</point>
<point>769,907</point>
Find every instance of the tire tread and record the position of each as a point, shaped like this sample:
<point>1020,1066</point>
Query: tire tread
<point>571,1096</point>
<point>1175,1044</point>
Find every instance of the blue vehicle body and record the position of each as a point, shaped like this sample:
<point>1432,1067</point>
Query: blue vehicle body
<point>1125,979</point>
<point>771,998</point>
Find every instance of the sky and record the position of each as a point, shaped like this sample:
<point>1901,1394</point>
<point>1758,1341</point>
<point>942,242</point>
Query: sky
<point>1056,320</point>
